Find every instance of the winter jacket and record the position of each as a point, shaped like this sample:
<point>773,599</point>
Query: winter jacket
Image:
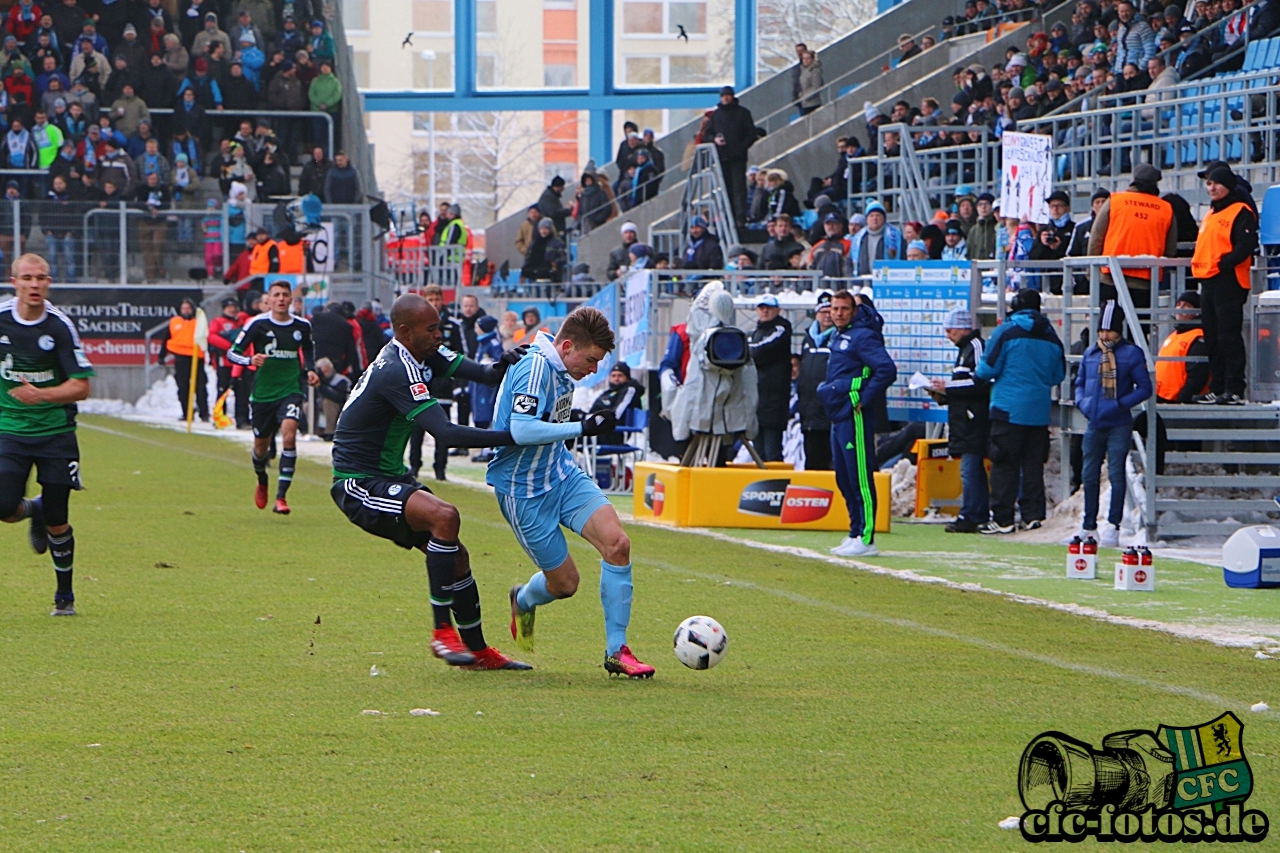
<point>814,352</point>
<point>981,240</point>
<point>342,186</point>
<point>1023,360</point>
<point>483,397</point>
<point>774,254</point>
<point>705,254</point>
<point>325,93</point>
<point>968,399</point>
<point>619,257</point>
<point>859,369</point>
<point>891,241</point>
<point>734,121</point>
<point>1133,385</point>
<point>771,352</point>
<point>1136,43</point>
<point>828,256</point>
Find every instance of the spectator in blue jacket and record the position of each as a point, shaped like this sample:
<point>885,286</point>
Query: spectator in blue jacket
<point>859,371</point>
<point>1024,361</point>
<point>1112,379</point>
<point>879,241</point>
<point>488,351</point>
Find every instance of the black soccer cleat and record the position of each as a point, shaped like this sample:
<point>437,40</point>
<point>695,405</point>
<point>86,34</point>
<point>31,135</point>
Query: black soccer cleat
<point>38,533</point>
<point>64,607</point>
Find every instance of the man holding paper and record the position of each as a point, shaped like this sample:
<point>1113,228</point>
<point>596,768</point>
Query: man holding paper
<point>967,398</point>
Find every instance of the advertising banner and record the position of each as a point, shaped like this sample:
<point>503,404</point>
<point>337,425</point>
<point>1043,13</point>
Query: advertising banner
<point>606,301</point>
<point>112,320</point>
<point>1026,178</point>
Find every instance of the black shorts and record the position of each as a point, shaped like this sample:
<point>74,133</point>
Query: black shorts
<point>376,505</point>
<point>266,418</point>
<point>56,458</point>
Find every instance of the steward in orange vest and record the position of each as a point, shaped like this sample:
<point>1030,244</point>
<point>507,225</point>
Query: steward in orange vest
<point>1181,381</point>
<point>1135,222</point>
<point>292,253</point>
<point>1224,252</point>
<point>265,257</point>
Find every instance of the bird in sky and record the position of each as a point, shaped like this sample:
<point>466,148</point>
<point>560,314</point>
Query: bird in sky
<point>408,41</point>
<point>683,34</point>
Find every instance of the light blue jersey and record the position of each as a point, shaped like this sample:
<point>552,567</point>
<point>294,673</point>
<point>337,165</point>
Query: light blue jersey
<point>536,388</point>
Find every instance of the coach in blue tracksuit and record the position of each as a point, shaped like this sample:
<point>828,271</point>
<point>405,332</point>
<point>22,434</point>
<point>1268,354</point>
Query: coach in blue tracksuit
<point>1113,378</point>
<point>859,371</point>
<point>1024,361</point>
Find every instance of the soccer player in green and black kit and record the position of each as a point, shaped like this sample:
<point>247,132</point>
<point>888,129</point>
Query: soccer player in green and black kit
<point>372,486</point>
<point>282,349</point>
<point>43,374</point>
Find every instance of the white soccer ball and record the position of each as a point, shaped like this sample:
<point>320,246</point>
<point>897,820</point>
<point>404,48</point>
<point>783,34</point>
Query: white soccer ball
<point>700,642</point>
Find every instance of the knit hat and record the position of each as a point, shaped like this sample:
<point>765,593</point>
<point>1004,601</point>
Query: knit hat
<point>1112,319</point>
<point>698,222</point>
<point>487,323</point>
<point>824,299</point>
<point>626,226</point>
<point>544,224</point>
<point>918,245</point>
<point>988,197</point>
<point>1191,297</point>
<point>1222,175</point>
<point>958,318</point>
<point>767,301</point>
<point>876,207</point>
<point>621,367</point>
<point>858,219</point>
<point>1025,300</point>
<point>1100,192</point>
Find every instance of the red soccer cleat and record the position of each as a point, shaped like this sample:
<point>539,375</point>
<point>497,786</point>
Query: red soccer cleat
<point>491,658</point>
<point>260,496</point>
<point>281,507</point>
<point>625,663</point>
<point>448,646</point>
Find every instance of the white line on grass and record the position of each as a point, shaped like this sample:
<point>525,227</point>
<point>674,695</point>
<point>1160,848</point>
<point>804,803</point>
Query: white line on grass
<point>921,628</point>
<point>1218,637</point>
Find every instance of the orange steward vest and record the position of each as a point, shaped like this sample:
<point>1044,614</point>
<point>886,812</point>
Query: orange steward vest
<point>182,336</point>
<point>1137,224</point>
<point>1171,376</point>
<point>1214,242</point>
<point>260,258</point>
<point>293,257</point>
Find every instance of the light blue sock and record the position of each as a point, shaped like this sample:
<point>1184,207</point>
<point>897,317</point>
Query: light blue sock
<point>615,598</point>
<point>534,593</point>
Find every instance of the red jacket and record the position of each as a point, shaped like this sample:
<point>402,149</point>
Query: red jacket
<point>222,333</point>
<point>19,28</point>
<point>238,271</point>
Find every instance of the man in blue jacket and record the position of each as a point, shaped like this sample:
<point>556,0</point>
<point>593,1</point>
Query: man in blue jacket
<point>1024,361</point>
<point>859,371</point>
<point>1113,378</point>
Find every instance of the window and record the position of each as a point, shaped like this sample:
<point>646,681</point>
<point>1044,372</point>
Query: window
<point>355,14</point>
<point>665,70</point>
<point>687,70</point>
<point>486,70</point>
<point>642,18</point>
<point>644,71</point>
<point>559,76</point>
<point>432,70</point>
<point>692,16</point>
<point>656,18</point>
<point>432,16</point>
<point>360,64</point>
<point>487,17</point>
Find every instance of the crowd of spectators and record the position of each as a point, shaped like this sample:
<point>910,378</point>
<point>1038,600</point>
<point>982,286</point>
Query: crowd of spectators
<point>124,101</point>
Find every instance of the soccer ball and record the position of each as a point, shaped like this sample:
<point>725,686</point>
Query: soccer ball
<point>700,642</point>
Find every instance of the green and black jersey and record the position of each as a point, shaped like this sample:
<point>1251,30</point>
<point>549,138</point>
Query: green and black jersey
<point>378,418</point>
<point>45,353</point>
<point>282,343</point>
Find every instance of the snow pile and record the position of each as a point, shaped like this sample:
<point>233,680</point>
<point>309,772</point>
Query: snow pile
<point>161,401</point>
<point>903,489</point>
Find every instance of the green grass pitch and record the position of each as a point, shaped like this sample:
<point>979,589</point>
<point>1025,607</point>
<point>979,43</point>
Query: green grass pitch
<point>196,704</point>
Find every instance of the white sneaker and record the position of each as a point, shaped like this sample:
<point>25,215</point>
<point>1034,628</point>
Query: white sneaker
<point>844,543</point>
<point>1109,536</point>
<point>856,548</point>
<point>1079,534</point>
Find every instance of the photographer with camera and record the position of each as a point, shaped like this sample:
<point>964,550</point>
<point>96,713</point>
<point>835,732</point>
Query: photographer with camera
<point>1055,237</point>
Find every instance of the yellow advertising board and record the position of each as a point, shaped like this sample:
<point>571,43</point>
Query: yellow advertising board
<point>777,498</point>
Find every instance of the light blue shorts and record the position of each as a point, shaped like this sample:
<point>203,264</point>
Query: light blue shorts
<point>536,521</point>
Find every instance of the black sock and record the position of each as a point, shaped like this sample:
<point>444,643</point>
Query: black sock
<point>62,547</point>
<point>288,461</point>
<point>442,563</point>
<point>466,609</point>
<point>260,468</point>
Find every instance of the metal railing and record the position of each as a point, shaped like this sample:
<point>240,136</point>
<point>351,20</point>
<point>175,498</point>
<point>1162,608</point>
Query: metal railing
<point>1234,119</point>
<point>921,178</point>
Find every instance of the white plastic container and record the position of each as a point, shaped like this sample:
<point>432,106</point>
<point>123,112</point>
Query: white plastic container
<point>1135,578</point>
<point>1251,558</point>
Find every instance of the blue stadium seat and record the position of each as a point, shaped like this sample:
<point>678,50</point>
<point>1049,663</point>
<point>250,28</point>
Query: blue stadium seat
<point>1272,59</point>
<point>844,90</point>
<point>1269,220</point>
<point>1251,55</point>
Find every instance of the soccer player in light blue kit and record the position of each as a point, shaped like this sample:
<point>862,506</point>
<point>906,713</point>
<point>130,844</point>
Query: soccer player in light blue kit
<point>539,487</point>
